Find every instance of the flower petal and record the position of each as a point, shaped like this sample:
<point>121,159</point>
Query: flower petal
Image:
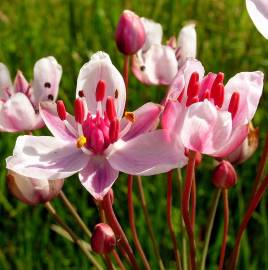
<point>17,114</point>
<point>181,80</point>
<point>205,129</point>
<point>146,119</point>
<point>57,127</point>
<point>250,86</point>
<point>187,43</point>
<point>47,75</point>
<point>147,154</point>
<point>98,177</point>
<point>258,12</point>
<point>99,68</point>
<point>157,66</point>
<point>153,33</point>
<point>5,82</point>
<point>46,158</point>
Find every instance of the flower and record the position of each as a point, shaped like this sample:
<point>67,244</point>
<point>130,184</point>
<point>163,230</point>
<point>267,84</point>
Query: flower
<point>33,191</point>
<point>157,64</point>
<point>97,142</point>
<point>208,116</point>
<point>258,12</point>
<point>129,34</point>
<point>19,102</point>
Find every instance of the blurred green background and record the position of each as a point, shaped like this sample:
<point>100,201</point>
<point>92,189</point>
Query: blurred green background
<point>72,30</point>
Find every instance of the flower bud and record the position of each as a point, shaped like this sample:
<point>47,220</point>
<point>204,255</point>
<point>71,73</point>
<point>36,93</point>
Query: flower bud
<point>103,239</point>
<point>130,34</point>
<point>246,149</point>
<point>224,175</point>
<point>33,191</point>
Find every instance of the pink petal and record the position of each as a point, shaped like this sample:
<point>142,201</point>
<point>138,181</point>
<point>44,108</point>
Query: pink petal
<point>258,12</point>
<point>205,129</point>
<point>17,114</point>
<point>20,83</point>
<point>146,119</point>
<point>207,83</point>
<point>236,139</point>
<point>99,68</point>
<point>5,81</point>
<point>157,66</point>
<point>57,127</point>
<point>182,78</point>
<point>98,177</point>
<point>46,158</point>
<point>153,33</point>
<point>187,43</point>
<point>250,86</point>
<point>47,75</point>
<point>147,154</point>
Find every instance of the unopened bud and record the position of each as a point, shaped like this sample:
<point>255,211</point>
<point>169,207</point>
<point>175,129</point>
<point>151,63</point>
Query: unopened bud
<point>103,239</point>
<point>33,191</point>
<point>130,33</point>
<point>224,175</point>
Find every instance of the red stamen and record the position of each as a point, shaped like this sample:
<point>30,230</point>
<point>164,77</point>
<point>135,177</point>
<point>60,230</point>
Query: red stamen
<point>114,130</point>
<point>233,105</point>
<point>219,79</point>
<point>191,101</point>
<point>180,96</point>
<point>61,110</point>
<point>79,110</point>
<point>206,95</point>
<point>219,95</point>
<point>193,86</point>
<point>81,93</point>
<point>110,108</point>
<point>100,90</point>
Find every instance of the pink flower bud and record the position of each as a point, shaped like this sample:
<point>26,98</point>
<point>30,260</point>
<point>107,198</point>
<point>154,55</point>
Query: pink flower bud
<point>33,191</point>
<point>130,34</point>
<point>224,175</point>
<point>246,149</point>
<point>103,239</point>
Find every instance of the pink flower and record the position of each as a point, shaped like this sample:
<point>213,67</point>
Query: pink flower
<point>208,116</point>
<point>157,64</point>
<point>258,12</point>
<point>19,102</point>
<point>97,142</point>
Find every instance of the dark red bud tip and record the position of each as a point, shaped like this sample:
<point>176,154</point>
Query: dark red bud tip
<point>100,90</point>
<point>103,239</point>
<point>130,33</point>
<point>110,108</point>
<point>61,110</point>
<point>81,93</point>
<point>224,175</point>
<point>233,105</point>
<point>79,110</point>
<point>219,95</point>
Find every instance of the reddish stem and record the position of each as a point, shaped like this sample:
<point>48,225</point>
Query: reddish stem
<point>118,260</point>
<point>125,70</point>
<point>252,206</point>
<point>120,235</point>
<point>108,262</point>
<point>193,202</point>
<point>132,223</point>
<point>185,206</point>
<point>169,221</point>
<point>226,225</point>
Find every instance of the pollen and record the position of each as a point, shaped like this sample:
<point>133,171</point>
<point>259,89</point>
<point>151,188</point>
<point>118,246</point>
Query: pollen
<point>81,141</point>
<point>130,116</point>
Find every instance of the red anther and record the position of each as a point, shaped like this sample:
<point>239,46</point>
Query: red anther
<point>114,130</point>
<point>97,140</point>
<point>180,96</point>
<point>193,86</point>
<point>219,95</point>
<point>233,105</point>
<point>61,110</point>
<point>191,101</point>
<point>100,90</point>
<point>79,110</point>
<point>206,95</point>
<point>219,79</point>
<point>110,108</point>
<point>81,93</point>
